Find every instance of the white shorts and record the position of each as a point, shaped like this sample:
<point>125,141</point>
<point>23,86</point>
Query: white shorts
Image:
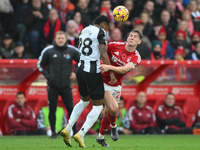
<point>114,90</point>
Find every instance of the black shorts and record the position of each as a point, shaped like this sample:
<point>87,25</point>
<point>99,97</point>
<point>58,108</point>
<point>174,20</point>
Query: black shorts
<point>90,84</point>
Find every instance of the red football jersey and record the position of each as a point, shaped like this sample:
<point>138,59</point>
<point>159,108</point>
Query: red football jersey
<point>119,56</point>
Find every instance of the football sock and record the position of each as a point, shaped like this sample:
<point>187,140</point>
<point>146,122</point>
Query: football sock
<point>78,109</point>
<point>90,120</point>
<point>112,119</point>
<point>105,124</point>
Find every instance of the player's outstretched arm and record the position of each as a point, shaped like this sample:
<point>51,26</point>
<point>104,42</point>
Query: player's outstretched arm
<point>105,59</point>
<point>103,53</point>
<point>120,70</point>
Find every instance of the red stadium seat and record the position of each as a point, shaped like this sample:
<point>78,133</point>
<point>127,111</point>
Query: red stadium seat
<point>41,103</point>
<point>4,114</point>
<point>190,108</point>
<point>157,104</point>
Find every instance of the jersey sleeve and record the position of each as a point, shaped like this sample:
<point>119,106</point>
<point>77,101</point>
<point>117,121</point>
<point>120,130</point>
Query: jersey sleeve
<point>101,37</point>
<point>110,46</point>
<point>135,60</point>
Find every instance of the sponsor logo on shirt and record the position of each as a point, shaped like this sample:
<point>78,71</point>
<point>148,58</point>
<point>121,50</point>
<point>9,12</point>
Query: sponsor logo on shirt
<point>139,114</point>
<point>148,115</point>
<point>116,53</point>
<point>55,55</point>
<point>67,56</point>
<point>117,61</point>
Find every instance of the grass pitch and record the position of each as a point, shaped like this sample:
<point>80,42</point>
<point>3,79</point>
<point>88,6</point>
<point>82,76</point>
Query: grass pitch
<point>125,142</point>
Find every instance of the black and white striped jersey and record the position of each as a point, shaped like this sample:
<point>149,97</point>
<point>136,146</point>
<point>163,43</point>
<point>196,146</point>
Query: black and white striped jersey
<point>89,41</point>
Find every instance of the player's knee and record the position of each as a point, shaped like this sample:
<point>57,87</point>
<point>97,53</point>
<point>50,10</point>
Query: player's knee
<point>114,110</point>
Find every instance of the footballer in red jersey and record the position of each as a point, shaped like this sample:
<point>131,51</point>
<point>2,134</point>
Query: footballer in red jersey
<point>123,58</point>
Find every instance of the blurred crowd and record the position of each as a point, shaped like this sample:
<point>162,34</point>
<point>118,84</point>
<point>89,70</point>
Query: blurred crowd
<point>137,117</point>
<point>171,28</point>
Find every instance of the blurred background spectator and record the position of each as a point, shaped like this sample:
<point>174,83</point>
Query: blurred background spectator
<point>19,52</point>
<point>142,117</point>
<point>197,120</point>
<point>18,21</point>
<point>165,43</point>
<point>175,13</point>
<point>7,46</point>
<point>116,35</point>
<point>43,124</point>
<point>82,6</point>
<point>71,34</point>
<point>123,123</point>
<point>5,14</point>
<point>170,27</point>
<point>148,23</point>
<point>159,6</point>
<point>196,53</point>
<point>37,17</point>
<point>52,25</point>
<point>65,11</point>
<point>21,117</point>
<point>156,52</point>
<point>145,47</point>
<point>195,13</point>
<point>195,39</point>
<point>171,118</point>
<point>34,22</point>
<point>78,19</point>
<point>178,42</point>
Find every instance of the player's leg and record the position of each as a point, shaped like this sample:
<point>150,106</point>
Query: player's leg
<point>78,108</point>
<point>112,106</point>
<point>52,98</point>
<point>90,120</point>
<point>96,92</point>
<point>105,124</point>
<point>111,100</point>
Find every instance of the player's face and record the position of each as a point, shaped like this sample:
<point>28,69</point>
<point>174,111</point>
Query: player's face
<point>133,39</point>
<point>170,100</point>
<point>141,98</point>
<point>105,26</point>
<point>20,100</point>
<point>60,39</point>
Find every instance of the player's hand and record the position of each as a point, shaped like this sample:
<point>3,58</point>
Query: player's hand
<point>126,131</point>
<point>113,79</point>
<point>72,76</point>
<point>104,68</point>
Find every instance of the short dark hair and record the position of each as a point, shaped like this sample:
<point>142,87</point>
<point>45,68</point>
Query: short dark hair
<point>121,98</point>
<point>102,18</point>
<point>20,92</point>
<point>138,32</point>
<point>170,93</point>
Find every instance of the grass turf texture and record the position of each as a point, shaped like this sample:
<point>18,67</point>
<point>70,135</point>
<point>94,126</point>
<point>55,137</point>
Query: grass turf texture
<point>125,142</point>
